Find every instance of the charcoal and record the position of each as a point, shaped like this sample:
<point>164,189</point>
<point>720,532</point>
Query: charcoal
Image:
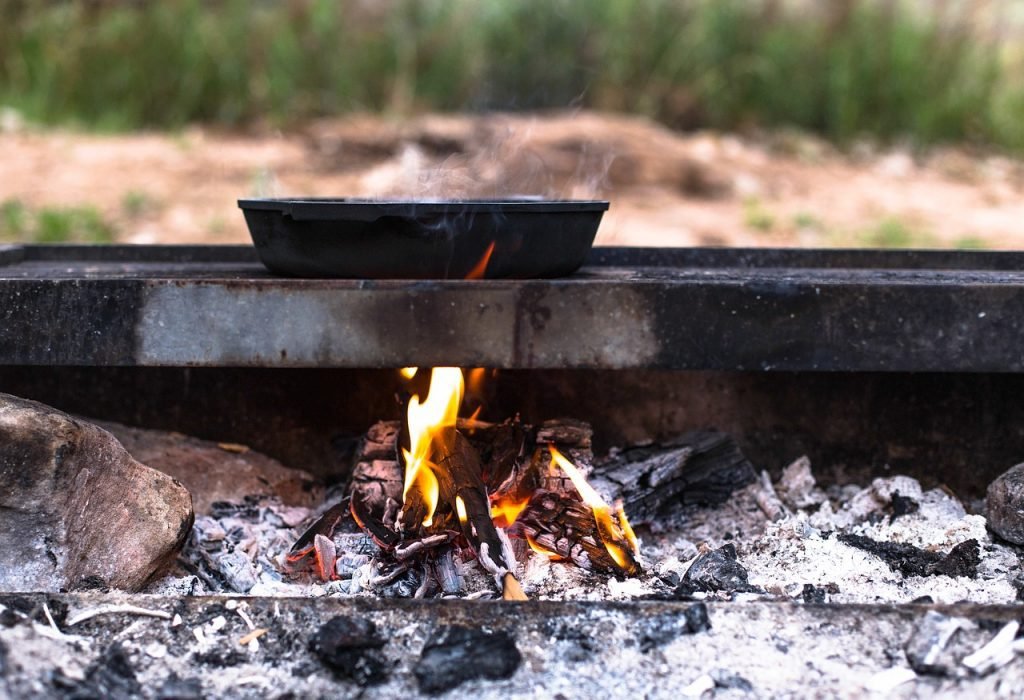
<point>236,570</point>
<point>1004,505</point>
<point>902,505</point>
<point>716,570</point>
<point>175,688</point>
<point>75,505</point>
<point>701,468</point>
<point>926,648</point>
<point>220,658</point>
<point>813,595</point>
<point>349,647</point>
<point>909,560</point>
<point>456,654</point>
<point>664,629</point>
<point>111,677</point>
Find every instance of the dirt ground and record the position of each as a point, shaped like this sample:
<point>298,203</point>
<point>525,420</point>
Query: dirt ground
<point>666,189</point>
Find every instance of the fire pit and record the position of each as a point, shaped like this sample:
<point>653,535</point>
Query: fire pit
<point>633,470</point>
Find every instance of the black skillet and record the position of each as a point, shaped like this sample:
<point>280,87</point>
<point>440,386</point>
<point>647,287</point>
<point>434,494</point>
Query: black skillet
<point>422,239</point>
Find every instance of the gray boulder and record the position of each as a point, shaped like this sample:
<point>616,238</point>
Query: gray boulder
<point>1004,505</point>
<point>76,510</point>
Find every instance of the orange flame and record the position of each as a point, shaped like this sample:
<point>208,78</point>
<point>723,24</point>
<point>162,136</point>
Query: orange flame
<point>478,271</point>
<point>504,512</point>
<point>553,556</point>
<point>612,533</point>
<point>431,423</point>
<point>408,372</point>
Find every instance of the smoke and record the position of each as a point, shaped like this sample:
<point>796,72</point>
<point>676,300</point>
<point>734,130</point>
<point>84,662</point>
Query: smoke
<point>494,157</point>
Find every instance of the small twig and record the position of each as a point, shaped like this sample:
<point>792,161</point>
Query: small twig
<point>255,634</point>
<point>49,618</point>
<point>110,610</point>
<point>414,548</point>
<point>245,616</point>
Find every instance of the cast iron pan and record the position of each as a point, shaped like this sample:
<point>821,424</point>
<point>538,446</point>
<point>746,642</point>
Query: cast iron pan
<point>428,239</point>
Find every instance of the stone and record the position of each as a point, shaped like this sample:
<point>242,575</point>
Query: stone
<point>455,654</point>
<point>75,507</point>
<point>1004,505</point>
<point>214,471</point>
<point>717,570</point>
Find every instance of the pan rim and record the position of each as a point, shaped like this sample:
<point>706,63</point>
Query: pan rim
<point>425,205</point>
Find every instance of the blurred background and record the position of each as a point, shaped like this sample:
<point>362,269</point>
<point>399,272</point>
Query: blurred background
<point>886,123</point>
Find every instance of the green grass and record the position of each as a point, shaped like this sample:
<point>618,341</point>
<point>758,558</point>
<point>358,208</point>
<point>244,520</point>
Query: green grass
<point>20,224</point>
<point>844,68</point>
<point>756,216</point>
<point>135,203</point>
<point>896,233</point>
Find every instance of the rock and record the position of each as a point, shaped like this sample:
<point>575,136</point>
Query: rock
<point>1004,505</point>
<point>458,654</point>
<point>75,507</point>
<point>214,471</point>
<point>349,647</point>
<point>717,570</point>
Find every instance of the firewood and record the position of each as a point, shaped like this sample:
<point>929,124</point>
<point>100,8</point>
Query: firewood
<point>565,527</point>
<point>462,480</point>
<point>697,468</point>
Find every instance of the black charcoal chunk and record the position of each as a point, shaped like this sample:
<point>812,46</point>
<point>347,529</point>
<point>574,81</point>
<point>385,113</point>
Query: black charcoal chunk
<point>909,560</point>
<point>1004,505</point>
<point>813,595</point>
<point>717,570</point>
<point>349,647</point>
<point>962,560</point>
<point>664,628</point>
<point>454,655</point>
<point>902,505</point>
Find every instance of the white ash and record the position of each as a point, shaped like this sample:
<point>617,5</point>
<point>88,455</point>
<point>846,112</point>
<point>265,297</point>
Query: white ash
<point>240,549</point>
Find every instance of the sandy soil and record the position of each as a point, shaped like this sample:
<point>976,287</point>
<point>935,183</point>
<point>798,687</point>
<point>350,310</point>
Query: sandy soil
<point>666,189</point>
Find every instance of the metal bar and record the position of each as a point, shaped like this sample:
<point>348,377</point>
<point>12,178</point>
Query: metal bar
<point>218,308</point>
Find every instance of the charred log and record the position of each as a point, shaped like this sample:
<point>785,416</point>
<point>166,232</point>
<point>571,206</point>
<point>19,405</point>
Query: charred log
<point>701,468</point>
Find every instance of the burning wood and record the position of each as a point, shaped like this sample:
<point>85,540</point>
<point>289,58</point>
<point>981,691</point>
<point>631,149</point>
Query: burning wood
<point>448,491</point>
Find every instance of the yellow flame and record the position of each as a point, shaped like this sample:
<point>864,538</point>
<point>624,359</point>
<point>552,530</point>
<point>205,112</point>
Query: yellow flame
<point>553,556</point>
<point>627,529</point>
<point>590,496</point>
<point>431,423</point>
<point>505,512</point>
<point>610,532</point>
<point>408,372</point>
<point>460,509</point>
